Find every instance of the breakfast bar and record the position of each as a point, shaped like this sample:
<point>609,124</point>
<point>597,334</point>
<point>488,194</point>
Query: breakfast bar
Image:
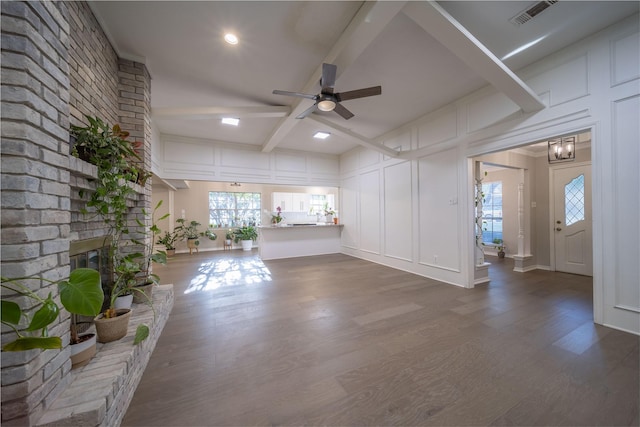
<point>290,241</point>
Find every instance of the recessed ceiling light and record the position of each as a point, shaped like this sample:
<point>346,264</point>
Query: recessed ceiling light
<point>230,121</point>
<point>231,38</point>
<point>321,135</point>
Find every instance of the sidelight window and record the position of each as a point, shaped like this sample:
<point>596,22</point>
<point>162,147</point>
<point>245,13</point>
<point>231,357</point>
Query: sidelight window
<point>492,211</point>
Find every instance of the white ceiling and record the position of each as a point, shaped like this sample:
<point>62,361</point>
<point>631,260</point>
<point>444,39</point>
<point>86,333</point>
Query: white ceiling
<point>198,78</point>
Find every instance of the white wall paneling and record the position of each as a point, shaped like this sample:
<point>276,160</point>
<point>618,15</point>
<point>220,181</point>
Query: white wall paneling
<point>349,213</point>
<point>438,207</point>
<point>591,85</point>
<point>398,233</point>
<point>370,212</point>
<point>624,295</point>
<point>625,59</point>
<point>291,163</point>
<point>488,110</point>
<point>440,128</point>
<point>207,160</point>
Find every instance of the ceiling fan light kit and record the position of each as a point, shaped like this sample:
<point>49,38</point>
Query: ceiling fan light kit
<point>326,100</point>
<point>326,105</point>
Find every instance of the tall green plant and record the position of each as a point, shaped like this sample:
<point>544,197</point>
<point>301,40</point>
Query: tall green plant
<point>149,257</point>
<point>115,158</point>
<point>108,149</point>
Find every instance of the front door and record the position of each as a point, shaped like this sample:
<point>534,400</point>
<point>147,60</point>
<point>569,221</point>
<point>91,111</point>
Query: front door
<point>572,228</point>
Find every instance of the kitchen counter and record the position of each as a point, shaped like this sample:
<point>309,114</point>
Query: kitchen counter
<point>290,241</point>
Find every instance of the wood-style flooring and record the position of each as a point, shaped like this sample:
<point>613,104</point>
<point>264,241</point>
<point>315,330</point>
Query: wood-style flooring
<point>338,341</point>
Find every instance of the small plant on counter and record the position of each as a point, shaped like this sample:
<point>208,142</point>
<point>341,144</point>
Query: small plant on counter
<point>277,218</point>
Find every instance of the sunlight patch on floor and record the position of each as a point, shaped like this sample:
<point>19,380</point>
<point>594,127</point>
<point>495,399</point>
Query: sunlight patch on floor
<point>228,272</point>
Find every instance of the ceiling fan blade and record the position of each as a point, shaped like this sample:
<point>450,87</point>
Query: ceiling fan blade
<point>287,93</point>
<point>346,114</point>
<point>306,112</point>
<point>328,79</point>
<point>359,93</point>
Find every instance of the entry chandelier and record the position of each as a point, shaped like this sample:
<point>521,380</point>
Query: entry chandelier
<point>562,149</point>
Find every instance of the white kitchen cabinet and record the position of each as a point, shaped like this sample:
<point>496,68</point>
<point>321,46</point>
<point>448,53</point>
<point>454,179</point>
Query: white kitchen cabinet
<point>300,202</point>
<point>284,201</point>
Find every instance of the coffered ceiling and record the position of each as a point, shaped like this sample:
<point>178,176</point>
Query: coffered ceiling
<point>423,54</point>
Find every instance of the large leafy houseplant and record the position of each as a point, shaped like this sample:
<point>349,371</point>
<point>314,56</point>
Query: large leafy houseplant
<point>80,294</point>
<point>247,232</point>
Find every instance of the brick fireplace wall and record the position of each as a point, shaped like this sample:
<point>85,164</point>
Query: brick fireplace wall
<point>57,67</point>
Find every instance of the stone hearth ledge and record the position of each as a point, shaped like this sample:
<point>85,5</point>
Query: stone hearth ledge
<point>100,392</point>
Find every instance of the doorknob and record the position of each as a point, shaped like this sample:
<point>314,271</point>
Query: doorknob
<point>558,222</point>
<point>558,228</point>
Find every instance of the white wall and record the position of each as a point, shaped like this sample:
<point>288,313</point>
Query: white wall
<point>209,160</point>
<point>425,208</point>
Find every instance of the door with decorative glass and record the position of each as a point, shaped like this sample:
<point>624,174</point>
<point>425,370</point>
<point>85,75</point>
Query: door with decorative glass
<point>572,227</point>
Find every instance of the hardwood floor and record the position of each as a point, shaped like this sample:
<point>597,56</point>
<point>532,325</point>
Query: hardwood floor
<point>334,340</point>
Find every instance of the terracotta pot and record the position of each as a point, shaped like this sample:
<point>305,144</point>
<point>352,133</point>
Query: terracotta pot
<point>83,352</point>
<point>170,252</point>
<point>114,328</point>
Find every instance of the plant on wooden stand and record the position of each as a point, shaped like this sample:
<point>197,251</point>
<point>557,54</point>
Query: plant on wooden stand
<point>188,230</point>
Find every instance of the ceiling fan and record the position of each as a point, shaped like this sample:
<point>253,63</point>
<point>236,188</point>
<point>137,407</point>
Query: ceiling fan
<point>326,100</point>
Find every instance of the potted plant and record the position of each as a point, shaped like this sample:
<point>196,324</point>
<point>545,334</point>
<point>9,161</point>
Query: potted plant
<point>80,294</point>
<point>188,230</point>
<point>277,218</point>
<point>113,323</point>
<point>246,235</point>
<point>168,240</point>
<point>328,213</point>
<point>228,238</point>
<point>499,247</point>
<point>145,278</point>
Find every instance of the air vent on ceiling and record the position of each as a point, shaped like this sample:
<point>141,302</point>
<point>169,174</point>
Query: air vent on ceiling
<point>528,14</point>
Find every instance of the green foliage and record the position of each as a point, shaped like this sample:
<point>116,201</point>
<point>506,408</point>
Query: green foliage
<point>247,232</point>
<point>142,332</point>
<point>80,294</point>
<point>187,229</point>
<point>168,240</point>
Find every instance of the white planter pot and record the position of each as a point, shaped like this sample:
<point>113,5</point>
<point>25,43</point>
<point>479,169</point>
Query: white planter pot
<point>246,244</point>
<point>124,301</point>
<point>82,352</point>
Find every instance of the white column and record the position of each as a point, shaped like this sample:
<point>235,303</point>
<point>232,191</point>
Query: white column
<point>479,250</point>
<point>521,218</point>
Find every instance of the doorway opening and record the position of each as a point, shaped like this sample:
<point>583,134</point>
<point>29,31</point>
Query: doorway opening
<point>544,219</point>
